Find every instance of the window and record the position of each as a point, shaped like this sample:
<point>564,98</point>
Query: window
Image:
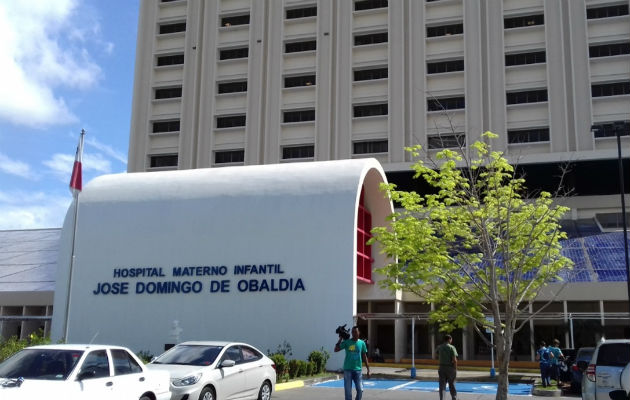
<point>607,12</point>
<point>455,140</point>
<point>369,4</point>
<point>369,110</point>
<point>370,147</point>
<point>372,38</point>
<point>163,160</point>
<point>229,156</point>
<point>607,50</point>
<point>299,116</point>
<point>295,81</point>
<point>166,126</point>
<point>608,129</point>
<point>172,28</point>
<point>290,152</point>
<point>302,12</point>
<point>174,59</point>
<point>445,30</point>
<point>446,103</point>
<point>235,20</point>
<point>297,47</point>
<point>445,66</point>
<point>168,93</point>
<point>613,354</point>
<point>610,89</point>
<point>96,365</point>
<point>370,74</point>
<point>124,363</point>
<point>528,135</point>
<point>519,22</point>
<point>232,87</point>
<point>525,58</point>
<point>364,250</point>
<point>528,96</point>
<point>233,353</point>
<point>230,121</point>
<point>250,354</point>
<point>231,54</point>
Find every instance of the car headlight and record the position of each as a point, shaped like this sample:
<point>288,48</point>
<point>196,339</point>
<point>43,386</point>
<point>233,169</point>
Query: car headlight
<point>187,381</point>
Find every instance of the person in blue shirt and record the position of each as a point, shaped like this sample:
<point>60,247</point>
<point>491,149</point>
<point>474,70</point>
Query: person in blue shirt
<point>543,356</point>
<point>556,357</point>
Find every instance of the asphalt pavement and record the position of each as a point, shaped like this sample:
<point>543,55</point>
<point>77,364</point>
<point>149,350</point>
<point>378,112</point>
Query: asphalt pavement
<point>302,390</point>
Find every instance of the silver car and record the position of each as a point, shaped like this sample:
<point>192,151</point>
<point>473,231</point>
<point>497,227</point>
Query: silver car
<point>603,374</point>
<point>217,370</point>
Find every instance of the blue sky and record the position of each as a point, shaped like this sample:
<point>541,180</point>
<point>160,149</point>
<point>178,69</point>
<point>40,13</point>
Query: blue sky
<point>65,65</point>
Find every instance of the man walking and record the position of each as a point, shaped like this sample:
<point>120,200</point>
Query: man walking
<point>447,371</point>
<point>356,351</point>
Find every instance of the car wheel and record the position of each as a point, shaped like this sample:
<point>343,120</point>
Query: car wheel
<point>265,391</point>
<point>206,394</point>
<point>145,398</point>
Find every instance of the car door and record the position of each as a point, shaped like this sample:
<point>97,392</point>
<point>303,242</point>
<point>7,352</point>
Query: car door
<point>231,384</point>
<point>129,379</point>
<point>611,360</point>
<point>94,377</point>
<point>253,369</point>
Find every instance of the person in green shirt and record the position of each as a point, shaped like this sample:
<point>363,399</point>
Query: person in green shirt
<point>356,351</point>
<point>447,371</point>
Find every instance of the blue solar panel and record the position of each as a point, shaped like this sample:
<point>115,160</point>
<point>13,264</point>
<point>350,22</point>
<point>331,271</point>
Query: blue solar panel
<point>597,258</point>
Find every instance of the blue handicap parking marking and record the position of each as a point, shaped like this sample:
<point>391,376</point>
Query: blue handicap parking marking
<point>520,389</point>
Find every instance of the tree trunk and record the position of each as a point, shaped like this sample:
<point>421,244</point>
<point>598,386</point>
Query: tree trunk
<point>504,351</point>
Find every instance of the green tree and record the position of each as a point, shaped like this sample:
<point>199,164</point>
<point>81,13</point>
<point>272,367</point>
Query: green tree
<point>476,247</point>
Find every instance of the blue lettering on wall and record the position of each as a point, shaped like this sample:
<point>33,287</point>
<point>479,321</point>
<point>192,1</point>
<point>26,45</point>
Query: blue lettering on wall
<point>261,280</point>
<point>111,288</point>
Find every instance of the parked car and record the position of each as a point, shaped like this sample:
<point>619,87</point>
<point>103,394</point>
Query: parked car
<point>624,393</point>
<point>603,374</point>
<point>69,371</point>
<point>217,370</point>
<point>582,359</point>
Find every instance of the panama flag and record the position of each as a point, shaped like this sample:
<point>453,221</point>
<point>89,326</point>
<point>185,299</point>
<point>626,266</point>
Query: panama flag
<point>76,182</point>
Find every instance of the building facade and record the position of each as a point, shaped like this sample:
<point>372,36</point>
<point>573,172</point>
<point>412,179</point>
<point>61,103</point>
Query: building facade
<point>249,82</point>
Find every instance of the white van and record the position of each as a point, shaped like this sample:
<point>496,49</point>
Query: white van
<point>604,373</point>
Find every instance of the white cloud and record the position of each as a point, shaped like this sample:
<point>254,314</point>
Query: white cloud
<point>107,149</point>
<point>32,210</point>
<point>42,50</point>
<point>17,168</point>
<point>60,164</point>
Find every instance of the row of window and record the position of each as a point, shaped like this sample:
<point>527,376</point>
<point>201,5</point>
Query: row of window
<point>288,153</point>
<point>440,141</point>
<point>368,110</point>
<point>455,29</point>
<point>433,104</point>
<point>603,50</point>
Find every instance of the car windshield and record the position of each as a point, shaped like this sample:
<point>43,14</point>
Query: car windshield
<point>42,364</point>
<point>190,355</point>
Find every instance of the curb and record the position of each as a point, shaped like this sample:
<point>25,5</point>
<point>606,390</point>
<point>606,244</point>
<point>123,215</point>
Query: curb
<point>546,393</point>
<point>301,383</point>
<point>289,385</point>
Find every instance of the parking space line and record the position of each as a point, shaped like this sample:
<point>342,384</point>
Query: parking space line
<point>401,386</point>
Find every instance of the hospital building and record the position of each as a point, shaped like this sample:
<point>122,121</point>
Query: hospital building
<point>252,88</point>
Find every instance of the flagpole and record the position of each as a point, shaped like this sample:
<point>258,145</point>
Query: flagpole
<point>76,187</point>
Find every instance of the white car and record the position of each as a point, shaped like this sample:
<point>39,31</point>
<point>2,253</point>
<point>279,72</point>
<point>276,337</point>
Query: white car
<point>72,371</point>
<point>604,373</point>
<point>217,370</point>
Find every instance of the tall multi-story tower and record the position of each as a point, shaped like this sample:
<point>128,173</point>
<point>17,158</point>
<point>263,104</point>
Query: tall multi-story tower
<point>241,82</point>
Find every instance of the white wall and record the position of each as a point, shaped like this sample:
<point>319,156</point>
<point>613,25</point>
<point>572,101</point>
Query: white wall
<point>298,215</point>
